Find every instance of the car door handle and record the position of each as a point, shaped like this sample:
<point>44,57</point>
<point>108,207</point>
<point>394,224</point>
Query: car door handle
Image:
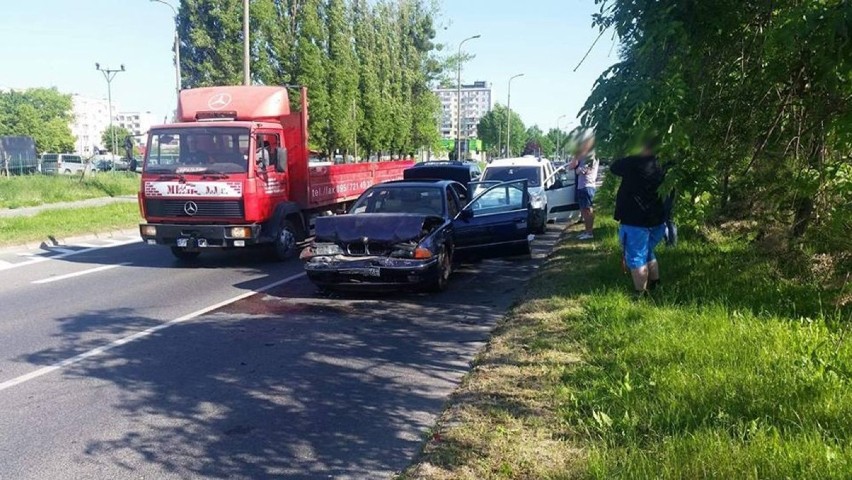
<point>520,220</point>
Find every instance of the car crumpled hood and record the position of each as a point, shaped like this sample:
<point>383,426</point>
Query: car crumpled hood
<point>377,227</point>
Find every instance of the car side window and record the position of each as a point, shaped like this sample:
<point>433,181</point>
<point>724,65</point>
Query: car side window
<point>500,199</point>
<point>452,203</point>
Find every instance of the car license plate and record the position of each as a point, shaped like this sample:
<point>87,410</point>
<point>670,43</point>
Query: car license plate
<point>366,272</point>
<point>182,242</point>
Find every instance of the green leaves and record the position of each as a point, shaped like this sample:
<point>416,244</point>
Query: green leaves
<point>753,99</point>
<point>41,113</point>
<point>367,65</point>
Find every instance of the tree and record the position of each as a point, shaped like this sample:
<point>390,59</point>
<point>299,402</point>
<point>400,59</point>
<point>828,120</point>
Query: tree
<point>751,97</point>
<point>211,42</point>
<point>492,131</point>
<point>41,113</point>
<point>368,64</point>
<point>342,78</point>
<point>311,62</point>
<point>537,143</point>
<point>107,137</point>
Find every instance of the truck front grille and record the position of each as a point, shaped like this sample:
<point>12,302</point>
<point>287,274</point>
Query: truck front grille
<point>206,208</point>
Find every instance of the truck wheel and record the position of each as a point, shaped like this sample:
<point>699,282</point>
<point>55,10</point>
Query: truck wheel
<point>184,254</point>
<point>285,246</point>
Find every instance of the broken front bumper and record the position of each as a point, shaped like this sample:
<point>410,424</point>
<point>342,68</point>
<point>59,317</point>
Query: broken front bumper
<point>370,272</point>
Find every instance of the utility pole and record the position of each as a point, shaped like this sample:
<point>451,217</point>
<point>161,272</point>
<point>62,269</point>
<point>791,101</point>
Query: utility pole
<point>558,135</point>
<point>246,50</point>
<point>177,47</point>
<point>458,98</point>
<point>509,118</point>
<point>110,74</point>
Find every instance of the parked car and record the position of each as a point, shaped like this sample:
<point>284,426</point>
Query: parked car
<point>461,172</point>
<point>65,163</point>
<point>410,232</point>
<point>552,191</point>
<point>110,162</point>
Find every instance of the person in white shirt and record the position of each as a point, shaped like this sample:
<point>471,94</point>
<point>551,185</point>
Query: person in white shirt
<point>586,165</point>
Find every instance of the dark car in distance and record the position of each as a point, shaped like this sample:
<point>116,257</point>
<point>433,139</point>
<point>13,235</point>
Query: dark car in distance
<point>410,233</point>
<point>461,172</point>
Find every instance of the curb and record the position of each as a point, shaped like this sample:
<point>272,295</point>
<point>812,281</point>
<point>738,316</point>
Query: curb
<point>58,242</point>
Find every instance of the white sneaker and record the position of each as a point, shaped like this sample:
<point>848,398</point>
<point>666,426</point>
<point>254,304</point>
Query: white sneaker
<point>585,236</point>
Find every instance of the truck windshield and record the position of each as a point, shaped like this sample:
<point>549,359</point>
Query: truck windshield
<point>198,150</point>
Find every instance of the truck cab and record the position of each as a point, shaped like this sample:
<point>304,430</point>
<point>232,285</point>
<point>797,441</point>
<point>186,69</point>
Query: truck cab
<point>235,172</point>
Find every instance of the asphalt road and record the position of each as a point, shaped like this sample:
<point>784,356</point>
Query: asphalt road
<point>119,362</point>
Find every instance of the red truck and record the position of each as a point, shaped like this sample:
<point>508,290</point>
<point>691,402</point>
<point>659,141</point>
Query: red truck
<point>237,172</point>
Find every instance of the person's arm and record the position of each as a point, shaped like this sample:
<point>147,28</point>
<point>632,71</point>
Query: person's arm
<point>573,163</point>
<point>619,167</point>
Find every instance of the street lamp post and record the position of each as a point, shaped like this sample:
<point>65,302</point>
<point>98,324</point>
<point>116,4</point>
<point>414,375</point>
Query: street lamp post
<point>509,117</point>
<point>458,98</point>
<point>558,135</point>
<point>246,61</point>
<point>109,74</point>
<point>177,46</point>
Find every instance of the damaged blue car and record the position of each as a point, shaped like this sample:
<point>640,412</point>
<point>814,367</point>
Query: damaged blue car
<point>410,233</point>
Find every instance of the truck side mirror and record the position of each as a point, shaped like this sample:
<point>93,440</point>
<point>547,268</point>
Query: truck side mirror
<point>281,159</point>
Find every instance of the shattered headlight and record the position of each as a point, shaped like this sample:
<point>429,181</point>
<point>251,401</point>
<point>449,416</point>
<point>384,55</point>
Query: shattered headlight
<point>326,249</point>
<point>537,200</point>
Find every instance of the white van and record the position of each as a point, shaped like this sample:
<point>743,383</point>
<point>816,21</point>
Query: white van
<point>65,163</point>
<point>553,191</point>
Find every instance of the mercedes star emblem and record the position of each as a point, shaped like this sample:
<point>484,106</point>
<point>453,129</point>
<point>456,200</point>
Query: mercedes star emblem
<point>191,208</point>
<point>219,101</point>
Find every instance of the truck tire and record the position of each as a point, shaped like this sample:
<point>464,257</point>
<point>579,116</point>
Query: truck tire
<point>286,240</point>
<point>184,254</point>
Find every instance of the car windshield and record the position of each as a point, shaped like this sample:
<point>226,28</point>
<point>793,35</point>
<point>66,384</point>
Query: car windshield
<point>506,174</point>
<point>401,199</point>
<point>198,150</point>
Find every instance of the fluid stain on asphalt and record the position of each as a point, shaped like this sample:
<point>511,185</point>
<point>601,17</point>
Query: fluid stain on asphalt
<point>270,305</point>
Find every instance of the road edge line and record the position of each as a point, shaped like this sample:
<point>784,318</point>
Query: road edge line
<point>141,334</point>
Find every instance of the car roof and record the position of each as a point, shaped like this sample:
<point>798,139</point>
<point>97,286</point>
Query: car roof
<point>444,163</point>
<point>417,182</point>
<point>526,161</point>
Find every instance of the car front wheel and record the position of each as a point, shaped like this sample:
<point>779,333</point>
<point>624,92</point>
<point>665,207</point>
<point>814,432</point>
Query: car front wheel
<point>445,269</point>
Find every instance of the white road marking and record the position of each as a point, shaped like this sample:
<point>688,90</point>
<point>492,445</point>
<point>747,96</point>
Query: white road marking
<point>61,250</point>
<point>138,335</point>
<point>4,262</point>
<point>80,273</point>
<point>40,257</point>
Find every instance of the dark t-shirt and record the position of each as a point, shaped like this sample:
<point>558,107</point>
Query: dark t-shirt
<point>638,201</point>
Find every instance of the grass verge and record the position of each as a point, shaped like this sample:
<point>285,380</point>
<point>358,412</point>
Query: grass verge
<point>32,190</point>
<point>730,371</point>
<point>65,222</point>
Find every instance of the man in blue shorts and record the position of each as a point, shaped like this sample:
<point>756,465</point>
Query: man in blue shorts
<point>639,209</point>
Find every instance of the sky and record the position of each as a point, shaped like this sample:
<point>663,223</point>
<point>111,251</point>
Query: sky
<point>55,43</point>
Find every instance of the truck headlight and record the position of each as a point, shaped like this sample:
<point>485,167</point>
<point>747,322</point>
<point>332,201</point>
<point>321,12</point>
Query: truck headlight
<point>326,249</point>
<point>149,231</point>
<point>240,232</point>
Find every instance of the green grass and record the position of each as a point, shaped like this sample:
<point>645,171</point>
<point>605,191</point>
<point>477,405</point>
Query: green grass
<point>65,222</point>
<point>31,190</point>
<point>729,371</point>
